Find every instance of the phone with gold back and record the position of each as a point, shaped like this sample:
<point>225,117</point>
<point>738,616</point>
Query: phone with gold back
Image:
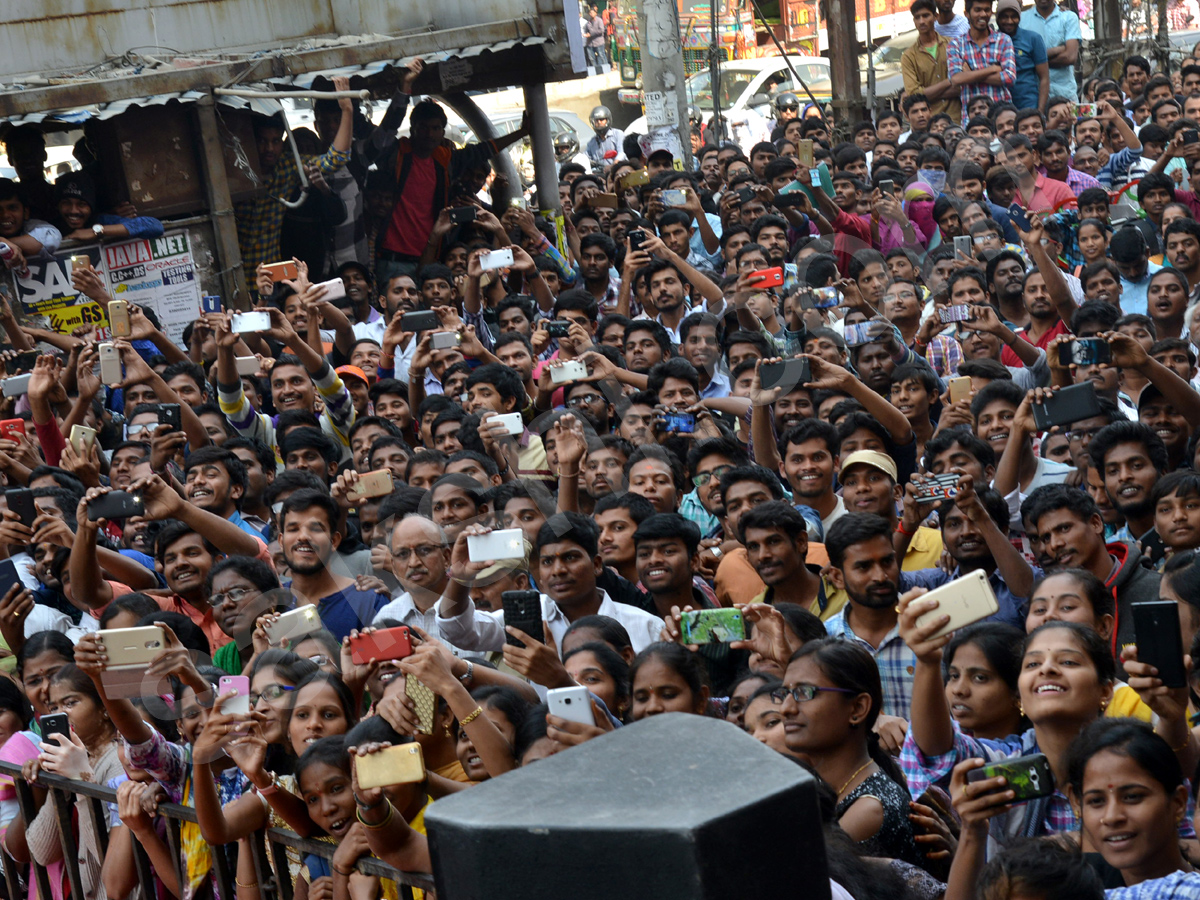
<point>392,765</point>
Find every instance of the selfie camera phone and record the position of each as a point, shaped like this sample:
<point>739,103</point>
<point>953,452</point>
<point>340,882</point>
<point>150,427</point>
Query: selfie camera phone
<point>496,259</point>
<point>785,374</point>
<point>14,429</point>
<point>767,278</point>
<point>679,423</point>
<point>115,505</point>
<point>20,501</point>
<point>210,303</point>
<point>1070,404</point>
<point>1084,352</point>
<point>118,318</point>
<point>422,320</point>
<point>513,424</point>
<point>960,312</point>
<point>460,215</point>
<point>445,340</point>
<point>570,703</point>
<point>238,705</point>
<point>570,370</point>
<point>250,322</point>
<point>1028,777</point>
<point>507,543</point>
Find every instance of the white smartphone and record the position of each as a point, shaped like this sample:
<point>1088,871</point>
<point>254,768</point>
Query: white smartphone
<point>508,543</point>
<point>965,600</point>
<point>335,289</point>
<point>512,422</point>
<point>293,624</point>
<point>572,704</point>
<point>496,259</point>
<point>246,365</point>
<point>250,322</point>
<point>239,705</point>
<point>110,364</point>
<point>445,340</point>
<point>570,370</point>
<point>17,385</point>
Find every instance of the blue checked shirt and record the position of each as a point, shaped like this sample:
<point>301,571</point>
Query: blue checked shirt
<point>896,662</point>
<point>997,50</point>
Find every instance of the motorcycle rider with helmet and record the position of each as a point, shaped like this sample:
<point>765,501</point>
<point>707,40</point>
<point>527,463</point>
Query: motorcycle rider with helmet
<point>566,150</point>
<point>606,139</point>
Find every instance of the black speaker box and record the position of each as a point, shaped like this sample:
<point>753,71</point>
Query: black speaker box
<point>675,807</point>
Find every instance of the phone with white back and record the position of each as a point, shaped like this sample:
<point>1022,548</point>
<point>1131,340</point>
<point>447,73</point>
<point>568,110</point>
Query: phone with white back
<point>965,600</point>
<point>508,543</point>
<point>496,259</point>
<point>572,704</point>
<point>238,705</point>
<point>246,365</point>
<point>110,363</point>
<point>513,423</point>
<point>17,385</point>
<point>250,322</point>
<point>335,289</point>
<point>570,370</point>
<point>293,624</point>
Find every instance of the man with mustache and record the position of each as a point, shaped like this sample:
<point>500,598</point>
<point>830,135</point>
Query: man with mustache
<point>420,555</point>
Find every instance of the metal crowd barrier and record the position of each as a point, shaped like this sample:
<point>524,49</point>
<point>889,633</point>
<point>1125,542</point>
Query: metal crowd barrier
<point>62,793</point>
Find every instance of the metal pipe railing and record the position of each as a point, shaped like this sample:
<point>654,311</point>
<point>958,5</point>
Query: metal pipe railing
<point>274,885</point>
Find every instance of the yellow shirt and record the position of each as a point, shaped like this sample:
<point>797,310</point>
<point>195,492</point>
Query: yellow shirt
<point>1125,703</point>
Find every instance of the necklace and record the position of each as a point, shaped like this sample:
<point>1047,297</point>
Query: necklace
<point>842,789</point>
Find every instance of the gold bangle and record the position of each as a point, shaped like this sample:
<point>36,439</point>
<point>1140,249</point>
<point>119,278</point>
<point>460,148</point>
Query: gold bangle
<point>475,714</point>
<point>250,885</point>
<point>390,812</point>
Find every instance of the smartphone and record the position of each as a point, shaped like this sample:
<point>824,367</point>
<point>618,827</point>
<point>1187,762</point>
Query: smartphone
<point>513,424</point>
<point>964,247</point>
<point>679,423</point>
<point>460,215</point>
<point>133,646</point>
<point>936,489</point>
<point>1159,640</point>
<point>523,610</point>
<point>558,328</point>
<point>210,303</point>
<point>81,261</point>
<point>785,374</point>
<point>246,365</point>
<point>965,600</point>
<point>1087,110</point>
<point>507,543</point>
<point>294,623</point>
<point>239,705</point>
<point>1084,352</point>
<point>960,388</point>
<point>445,340</point>
<point>571,703</point>
<point>712,626</point>
<point>22,362</point>
<point>425,701</point>
<point>959,312</point>
<point>860,333</point>
<point>118,318</point>
<point>111,370</point>
<point>804,153</point>
<point>1067,405</point>
<point>18,385</point>
<point>635,241</point>
<point>250,322</point>
<point>20,501</point>
<point>392,765</point>
<point>386,643</point>
<point>1191,136</point>
<point>283,270</point>
<point>1029,777</point>
<point>115,505</point>
<point>570,370</point>
<point>674,197</point>
<point>422,320</point>
<point>767,278</point>
<point>496,259</point>
<point>335,289</point>
<point>55,723</point>
<point>635,179</point>
<point>82,437</point>
<point>823,298</point>
<point>373,484</point>
<point>169,414</point>
<point>1019,217</point>
<point>8,576</point>
<point>814,175</point>
<point>14,429</point>
<point>603,201</point>
<point>745,195</point>
<point>887,186</point>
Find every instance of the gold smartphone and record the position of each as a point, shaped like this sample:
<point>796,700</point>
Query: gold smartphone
<point>118,319</point>
<point>393,765</point>
<point>372,484</point>
<point>960,388</point>
<point>804,153</point>
<point>82,438</point>
<point>424,699</point>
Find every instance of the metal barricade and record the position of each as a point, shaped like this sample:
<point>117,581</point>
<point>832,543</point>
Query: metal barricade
<point>62,793</point>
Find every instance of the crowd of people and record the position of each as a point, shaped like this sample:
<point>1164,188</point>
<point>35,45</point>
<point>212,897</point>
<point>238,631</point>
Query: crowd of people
<point>812,380</point>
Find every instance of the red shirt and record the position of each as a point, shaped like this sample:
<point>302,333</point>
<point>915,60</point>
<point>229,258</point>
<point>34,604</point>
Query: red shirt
<point>1047,195</point>
<point>413,215</point>
<point>1009,357</point>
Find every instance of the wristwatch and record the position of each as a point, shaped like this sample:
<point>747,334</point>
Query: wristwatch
<point>98,230</point>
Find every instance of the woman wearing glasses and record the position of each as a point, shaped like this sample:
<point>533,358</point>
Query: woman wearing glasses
<point>831,697</point>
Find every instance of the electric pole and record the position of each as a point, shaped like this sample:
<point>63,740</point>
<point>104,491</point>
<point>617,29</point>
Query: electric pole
<point>663,81</point>
<point>843,66</point>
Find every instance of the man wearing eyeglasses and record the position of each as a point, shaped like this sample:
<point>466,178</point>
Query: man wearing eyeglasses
<point>587,398</point>
<point>421,563</point>
<point>707,462</point>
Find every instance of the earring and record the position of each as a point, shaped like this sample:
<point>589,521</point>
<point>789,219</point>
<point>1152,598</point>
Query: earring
<point>1021,708</point>
<point>448,734</point>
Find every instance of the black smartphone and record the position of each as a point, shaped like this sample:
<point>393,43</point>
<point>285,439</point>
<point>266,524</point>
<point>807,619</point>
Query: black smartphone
<point>1070,404</point>
<point>55,723</point>
<point>636,238</point>
<point>421,320</point>
<point>523,610</point>
<point>1029,777</point>
<point>786,374</point>
<point>115,505</point>
<point>887,186</point>
<point>8,575</point>
<point>1084,352</point>
<point>462,214</point>
<point>558,328</point>
<point>1019,217</point>
<point>1191,136</point>
<point>22,362</point>
<point>20,501</point>
<point>169,414</point>
<point>745,195</point>
<point>1159,639</point>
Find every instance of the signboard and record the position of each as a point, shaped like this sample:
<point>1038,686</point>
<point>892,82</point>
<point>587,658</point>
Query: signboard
<point>158,274</point>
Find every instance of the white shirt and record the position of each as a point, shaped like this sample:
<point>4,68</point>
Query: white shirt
<point>476,630</point>
<point>404,610</point>
<point>838,512</point>
<point>1047,472</point>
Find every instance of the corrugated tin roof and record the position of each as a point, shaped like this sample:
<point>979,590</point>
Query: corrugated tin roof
<point>102,111</point>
